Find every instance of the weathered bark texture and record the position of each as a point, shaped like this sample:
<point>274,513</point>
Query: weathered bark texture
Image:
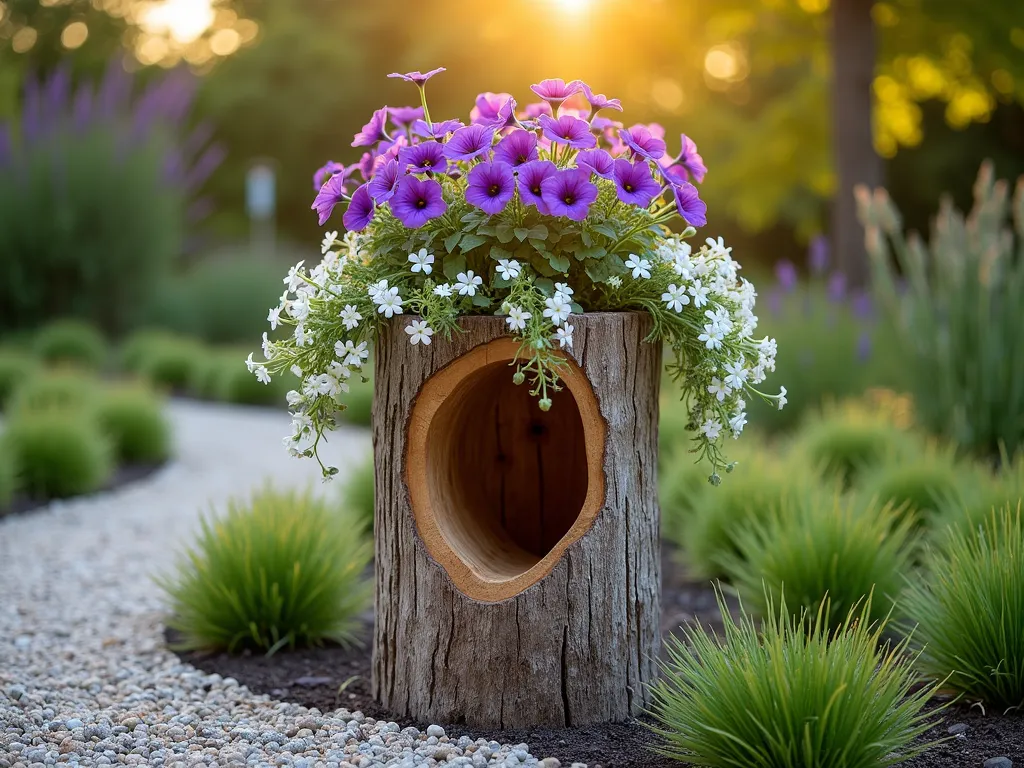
<point>571,635</point>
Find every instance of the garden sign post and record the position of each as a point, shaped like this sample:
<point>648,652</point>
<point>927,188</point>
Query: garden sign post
<point>517,550</point>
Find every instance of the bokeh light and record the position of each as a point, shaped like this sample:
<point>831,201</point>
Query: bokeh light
<point>74,35</point>
<point>183,20</point>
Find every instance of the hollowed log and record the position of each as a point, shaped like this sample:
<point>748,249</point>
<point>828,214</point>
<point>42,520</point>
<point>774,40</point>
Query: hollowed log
<point>517,558</point>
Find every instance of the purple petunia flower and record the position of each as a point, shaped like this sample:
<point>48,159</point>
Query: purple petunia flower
<point>436,130</point>
<point>505,117</point>
<point>556,90</point>
<point>417,77</point>
<point>373,131</point>
<point>487,106</point>
<point>785,273</point>
<point>469,142</point>
<point>597,160</point>
<point>600,101</point>
<point>689,205</point>
<point>569,193</point>
<point>517,148</point>
<point>404,116</point>
<point>491,186</point>
<point>330,194</point>
<point>643,143</point>
<point>382,186</point>
<point>360,210</point>
<point>325,172</point>
<point>537,109</point>
<point>425,157</point>
<point>569,130</point>
<point>530,178</point>
<point>417,201</point>
<point>691,160</point>
<point>634,183</point>
<point>817,254</point>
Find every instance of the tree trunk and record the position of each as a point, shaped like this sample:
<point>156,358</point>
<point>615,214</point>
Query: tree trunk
<point>518,569</point>
<point>853,57</point>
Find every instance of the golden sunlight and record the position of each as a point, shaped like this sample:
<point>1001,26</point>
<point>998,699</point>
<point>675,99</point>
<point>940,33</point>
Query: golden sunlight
<point>572,6</point>
<point>183,20</point>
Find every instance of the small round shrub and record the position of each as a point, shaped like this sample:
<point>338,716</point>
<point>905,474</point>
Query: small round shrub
<point>71,342</point>
<point>820,547</point>
<point>56,391</point>
<point>16,368</point>
<point>358,495</point>
<point>59,453</point>
<point>789,693</point>
<point>134,420</point>
<point>969,610</point>
<point>171,363</point>
<point>8,475</point>
<point>281,569</point>
<point>133,355</point>
<point>917,486</point>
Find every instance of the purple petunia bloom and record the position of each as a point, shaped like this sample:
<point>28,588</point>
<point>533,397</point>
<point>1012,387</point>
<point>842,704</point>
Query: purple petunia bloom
<point>643,143</point>
<point>436,130</point>
<point>530,178</point>
<point>417,77</point>
<point>634,183</point>
<point>360,210</point>
<point>569,130</point>
<point>597,160</point>
<point>689,205</point>
<point>569,193</point>
<point>325,172</point>
<point>556,90</point>
<point>785,273</point>
<point>417,201</point>
<point>383,184</point>
<point>404,116</point>
<point>469,142</point>
<point>487,106</point>
<point>491,186</point>
<point>600,101</point>
<point>505,117</point>
<point>425,157</point>
<point>517,148</point>
<point>373,131</point>
<point>537,109</point>
<point>691,160</point>
<point>330,194</point>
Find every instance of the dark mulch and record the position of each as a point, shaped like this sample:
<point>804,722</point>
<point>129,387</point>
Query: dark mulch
<point>123,475</point>
<point>332,677</point>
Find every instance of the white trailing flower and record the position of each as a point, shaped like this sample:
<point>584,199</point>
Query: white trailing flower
<point>737,423</point>
<point>719,389</point>
<point>467,283</point>
<point>712,336</point>
<point>376,290</point>
<point>737,374</point>
<point>274,318</point>
<point>444,290</point>
<point>262,374</point>
<point>711,429</point>
<point>421,261</point>
<point>641,267</point>
<point>558,308</point>
<point>782,398</point>
<point>614,281</point>
<point>294,277</point>
<point>341,374</point>
<point>419,332</point>
<point>350,317</point>
<point>509,269</point>
<point>302,336</point>
<point>330,238</point>
<point>389,303</point>
<point>517,318</point>
<point>327,385</point>
<point>294,398</point>
<point>675,297</point>
<point>564,289</point>
<point>717,248</point>
<point>699,292</point>
<point>299,308</point>
<point>564,336</point>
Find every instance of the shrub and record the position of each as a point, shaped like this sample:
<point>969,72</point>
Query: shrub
<point>283,569</point>
<point>135,350</point>
<point>821,547</point>
<point>358,495</point>
<point>788,693</point>
<point>958,318</point>
<point>59,453</point>
<point>969,610</point>
<point>56,391</point>
<point>71,342</point>
<point>16,368</point>
<point>134,420</point>
<point>8,475</point>
<point>172,363</point>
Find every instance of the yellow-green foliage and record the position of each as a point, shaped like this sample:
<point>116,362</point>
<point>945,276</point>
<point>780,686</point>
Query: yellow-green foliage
<point>8,476</point>
<point>279,569</point>
<point>171,362</point>
<point>56,391</point>
<point>71,342</point>
<point>16,368</point>
<point>976,501</point>
<point>134,419</point>
<point>920,484</point>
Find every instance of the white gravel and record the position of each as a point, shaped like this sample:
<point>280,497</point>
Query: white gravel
<point>84,677</point>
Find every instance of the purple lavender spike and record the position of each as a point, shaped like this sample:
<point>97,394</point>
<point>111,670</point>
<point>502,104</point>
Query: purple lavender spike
<point>775,301</point>
<point>863,305</point>
<point>81,110</point>
<point>31,117</point>
<point>837,287</point>
<point>115,90</point>
<point>785,273</point>
<point>198,138</point>
<point>55,97</point>
<point>818,254</point>
<point>174,166</point>
<point>204,167</point>
<point>864,346</point>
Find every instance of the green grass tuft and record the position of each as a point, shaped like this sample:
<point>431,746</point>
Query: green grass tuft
<point>280,569</point>
<point>71,342</point>
<point>788,693</point>
<point>134,420</point>
<point>16,368</point>
<point>920,485</point>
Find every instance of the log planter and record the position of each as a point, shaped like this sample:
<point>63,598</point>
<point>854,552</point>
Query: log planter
<point>517,559</point>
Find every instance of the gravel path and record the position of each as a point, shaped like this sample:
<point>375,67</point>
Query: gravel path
<point>84,677</point>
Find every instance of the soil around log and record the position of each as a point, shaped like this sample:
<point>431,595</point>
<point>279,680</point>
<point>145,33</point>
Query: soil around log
<point>331,677</point>
<point>123,475</point>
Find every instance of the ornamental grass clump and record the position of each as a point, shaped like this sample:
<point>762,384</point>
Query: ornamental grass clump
<point>281,569</point>
<point>56,391</point>
<point>818,547</point>
<point>134,420</point>
<point>71,342</point>
<point>969,610</point>
<point>533,214</point>
<point>920,485</point>
<point>789,693</point>
<point>16,368</point>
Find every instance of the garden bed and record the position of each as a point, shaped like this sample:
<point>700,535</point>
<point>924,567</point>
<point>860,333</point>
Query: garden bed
<point>332,677</point>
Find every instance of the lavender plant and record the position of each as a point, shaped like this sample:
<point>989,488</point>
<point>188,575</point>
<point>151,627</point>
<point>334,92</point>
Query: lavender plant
<point>534,215</point>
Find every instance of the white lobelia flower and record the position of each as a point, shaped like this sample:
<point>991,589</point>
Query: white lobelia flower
<point>509,269</point>
<point>682,265</point>
<point>262,375</point>
<point>302,336</point>
<point>419,332</point>
<point>719,389</point>
<point>444,290</point>
<point>390,303</point>
<point>350,316</point>
<point>737,423</point>
<point>355,354</point>
<point>294,278</point>
<point>274,318</point>
<point>737,374</point>
<point>375,290</point>
<point>699,293</point>
<point>558,308</point>
<point>326,384</point>
<point>711,429</point>
<point>517,318</point>
<point>421,261</point>
<point>294,398</point>
<point>640,267</point>
<point>250,364</point>
<point>782,398</point>
<point>299,308</point>
<point>564,289</point>
<point>614,281</point>
<point>297,372</point>
<point>330,238</point>
<point>269,348</point>
<point>340,373</point>
<point>467,283</point>
<point>717,247</point>
<point>564,336</point>
<point>675,297</point>
<point>712,336</point>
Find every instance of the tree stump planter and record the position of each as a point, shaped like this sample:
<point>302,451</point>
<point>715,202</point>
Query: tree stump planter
<point>517,557</point>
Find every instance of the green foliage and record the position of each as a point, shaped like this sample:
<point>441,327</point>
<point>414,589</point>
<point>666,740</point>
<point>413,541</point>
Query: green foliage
<point>973,506</point>
<point>133,355</point>
<point>59,453</point>
<point>16,368</point>
<point>358,495</point>
<point>281,569</point>
<point>71,341</point>
<point>56,391</point>
<point>359,402</point>
<point>969,610</point>
<point>788,693</point>
<point>134,420</point>
<point>8,474</point>
<point>821,547</point>
<point>919,485</point>
<point>172,362</point>
<point>959,319</point>
<point>234,384</point>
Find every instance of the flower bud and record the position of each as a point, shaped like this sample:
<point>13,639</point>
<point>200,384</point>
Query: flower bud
<point>715,479</point>
<point>518,378</point>
<point>545,404</point>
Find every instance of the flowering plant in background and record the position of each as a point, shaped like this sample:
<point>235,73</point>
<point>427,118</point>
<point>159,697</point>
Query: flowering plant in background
<point>532,214</point>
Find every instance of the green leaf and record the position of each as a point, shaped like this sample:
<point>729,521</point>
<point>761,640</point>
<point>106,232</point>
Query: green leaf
<point>453,265</point>
<point>451,241</point>
<point>606,229</point>
<point>479,300</point>
<point>504,232</point>
<point>545,286</point>
<point>539,232</point>
<point>558,262</point>
<point>599,270</point>
<point>585,236</point>
<point>498,253</point>
<point>486,229</point>
<point>521,233</point>
<point>471,241</point>
<point>540,245</point>
<point>596,252</point>
<point>470,217</point>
